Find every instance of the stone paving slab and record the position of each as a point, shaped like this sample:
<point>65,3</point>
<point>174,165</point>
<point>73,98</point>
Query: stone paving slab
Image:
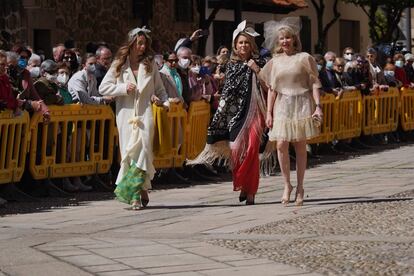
<point>176,235</point>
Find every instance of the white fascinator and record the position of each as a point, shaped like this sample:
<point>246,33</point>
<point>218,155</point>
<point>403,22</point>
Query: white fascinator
<point>133,33</point>
<point>272,28</point>
<point>242,28</point>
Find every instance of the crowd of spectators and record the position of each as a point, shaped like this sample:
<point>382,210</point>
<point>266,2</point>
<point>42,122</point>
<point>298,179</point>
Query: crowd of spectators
<point>30,82</point>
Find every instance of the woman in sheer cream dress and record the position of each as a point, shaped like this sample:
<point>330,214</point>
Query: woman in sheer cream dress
<point>293,103</point>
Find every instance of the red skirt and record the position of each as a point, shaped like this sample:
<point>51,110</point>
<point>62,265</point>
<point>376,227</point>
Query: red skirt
<point>246,172</point>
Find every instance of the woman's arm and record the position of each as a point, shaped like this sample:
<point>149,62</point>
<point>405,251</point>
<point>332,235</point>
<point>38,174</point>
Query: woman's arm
<point>271,97</point>
<point>110,87</point>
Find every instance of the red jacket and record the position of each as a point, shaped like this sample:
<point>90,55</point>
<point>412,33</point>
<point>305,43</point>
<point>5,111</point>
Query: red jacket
<point>401,76</point>
<point>6,94</point>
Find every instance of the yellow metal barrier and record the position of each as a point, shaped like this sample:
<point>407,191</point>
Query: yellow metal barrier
<point>14,139</point>
<point>177,117</point>
<point>198,120</point>
<point>407,109</point>
<point>327,129</point>
<point>79,140</point>
<point>381,112</point>
<point>348,115</point>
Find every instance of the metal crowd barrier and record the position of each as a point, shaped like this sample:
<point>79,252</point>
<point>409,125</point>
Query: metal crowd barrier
<point>381,112</point>
<point>14,139</point>
<point>78,140</point>
<point>407,109</point>
<point>177,117</point>
<point>198,120</point>
<point>348,115</point>
<point>327,127</point>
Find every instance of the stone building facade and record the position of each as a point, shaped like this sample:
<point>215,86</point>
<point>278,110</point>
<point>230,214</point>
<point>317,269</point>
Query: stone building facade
<point>44,23</point>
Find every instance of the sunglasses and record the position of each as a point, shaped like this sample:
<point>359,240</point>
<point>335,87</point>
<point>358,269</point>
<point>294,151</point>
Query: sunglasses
<point>67,58</point>
<point>173,60</point>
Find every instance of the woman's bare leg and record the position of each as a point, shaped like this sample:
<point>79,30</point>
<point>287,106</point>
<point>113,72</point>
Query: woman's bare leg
<point>301,160</point>
<point>284,162</point>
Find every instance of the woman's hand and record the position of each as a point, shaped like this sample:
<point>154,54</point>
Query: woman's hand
<point>318,112</point>
<point>252,64</point>
<point>131,88</point>
<point>269,120</point>
<point>156,100</point>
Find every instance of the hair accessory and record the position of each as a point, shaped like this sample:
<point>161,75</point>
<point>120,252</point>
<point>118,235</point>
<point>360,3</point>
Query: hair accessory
<point>133,33</point>
<point>242,28</point>
<point>271,29</point>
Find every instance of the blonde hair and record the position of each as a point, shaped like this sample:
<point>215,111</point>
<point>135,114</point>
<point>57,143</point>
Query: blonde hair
<point>255,50</point>
<point>286,30</point>
<point>125,50</point>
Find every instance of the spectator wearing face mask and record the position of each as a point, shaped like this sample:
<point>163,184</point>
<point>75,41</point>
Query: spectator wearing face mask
<point>349,55</point>
<point>33,65</point>
<point>103,63</point>
<point>23,88</point>
<point>62,82</point>
<point>46,85</point>
<point>408,67</point>
<point>82,85</point>
<point>399,70</point>
<point>200,82</point>
<point>327,75</point>
<point>389,75</point>
<point>69,58</point>
<point>184,60</point>
<point>378,80</point>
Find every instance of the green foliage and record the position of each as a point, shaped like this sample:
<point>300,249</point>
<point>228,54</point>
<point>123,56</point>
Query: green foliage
<point>384,16</point>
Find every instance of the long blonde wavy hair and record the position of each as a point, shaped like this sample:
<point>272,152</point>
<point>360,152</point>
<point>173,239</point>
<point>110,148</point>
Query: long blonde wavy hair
<point>125,50</point>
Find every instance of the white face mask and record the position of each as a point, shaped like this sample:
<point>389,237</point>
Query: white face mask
<point>50,77</point>
<point>183,63</point>
<point>35,72</point>
<point>399,63</point>
<point>389,73</point>
<point>348,57</point>
<point>91,69</point>
<point>195,70</point>
<point>62,78</point>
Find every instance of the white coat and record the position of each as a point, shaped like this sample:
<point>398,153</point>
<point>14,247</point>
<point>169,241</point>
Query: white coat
<point>134,116</point>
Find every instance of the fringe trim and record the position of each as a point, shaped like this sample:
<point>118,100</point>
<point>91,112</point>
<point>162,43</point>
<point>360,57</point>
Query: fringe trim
<point>268,160</point>
<point>217,153</point>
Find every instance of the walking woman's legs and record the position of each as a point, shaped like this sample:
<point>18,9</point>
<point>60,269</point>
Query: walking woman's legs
<point>284,161</point>
<point>301,160</point>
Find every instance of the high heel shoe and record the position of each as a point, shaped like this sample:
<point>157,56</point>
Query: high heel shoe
<point>250,200</point>
<point>242,196</point>
<point>300,194</point>
<point>285,200</point>
<point>144,198</point>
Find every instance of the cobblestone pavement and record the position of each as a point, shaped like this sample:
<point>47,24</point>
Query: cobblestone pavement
<point>357,220</point>
<point>359,239</point>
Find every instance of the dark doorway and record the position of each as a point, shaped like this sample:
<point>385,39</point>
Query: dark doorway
<point>42,41</point>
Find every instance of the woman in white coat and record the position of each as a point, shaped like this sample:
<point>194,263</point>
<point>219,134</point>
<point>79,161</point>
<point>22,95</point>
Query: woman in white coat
<point>135,82</point>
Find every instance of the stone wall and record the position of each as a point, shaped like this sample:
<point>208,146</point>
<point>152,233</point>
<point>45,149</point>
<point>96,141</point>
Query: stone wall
<point>11,24</point>
<point>92,21</point>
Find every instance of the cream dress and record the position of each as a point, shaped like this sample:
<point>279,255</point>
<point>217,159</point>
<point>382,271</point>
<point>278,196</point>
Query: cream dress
<point>293,78</point>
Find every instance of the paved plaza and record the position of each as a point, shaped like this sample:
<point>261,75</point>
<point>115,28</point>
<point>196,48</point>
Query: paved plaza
<point>358,219</point>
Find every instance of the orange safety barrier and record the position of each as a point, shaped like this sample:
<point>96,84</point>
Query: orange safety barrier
<point>407,109</point>
<point>327,129</point>
<point>381,112</point>
<point>348,115</point>
<point>198,120</point>
<point>14,139</point>
<point>177,117</point>
<point>79,140</point>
